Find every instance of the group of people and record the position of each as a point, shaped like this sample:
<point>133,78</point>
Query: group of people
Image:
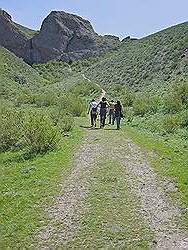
<point>114,110</point>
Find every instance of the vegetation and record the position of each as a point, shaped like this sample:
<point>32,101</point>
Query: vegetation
<point>38,137</point>
<point>36,109</point>
<point>28,32</point>
<point>40,129</point>
<point>17,79</point>
<point>150,64</point>
<point>169,156</point>
<point>28,186</point>
<point>53,71</point>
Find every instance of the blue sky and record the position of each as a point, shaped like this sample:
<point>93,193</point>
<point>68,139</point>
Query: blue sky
<point>137,18</point>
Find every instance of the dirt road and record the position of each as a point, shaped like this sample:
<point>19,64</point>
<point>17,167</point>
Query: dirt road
<point>112,199</point>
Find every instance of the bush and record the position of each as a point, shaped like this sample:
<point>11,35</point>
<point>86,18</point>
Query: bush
<point>45,99</point>
<point>76,107</point>
<point>141,105</point>
<point>39,132</point>
<point>170,123</point>
<point>128,114</point>
<point>65,122</point>
<point>127,99</point>
<point>155,103</point>
<point>181,91</point>
<point>11,122</point>
<point>172,103</point>
<point>71,104</point>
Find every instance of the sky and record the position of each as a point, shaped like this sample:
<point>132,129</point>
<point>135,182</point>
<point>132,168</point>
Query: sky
<point>137,18</point>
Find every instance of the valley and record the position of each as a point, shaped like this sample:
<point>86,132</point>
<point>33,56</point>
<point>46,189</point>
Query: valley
<point>67,185</point>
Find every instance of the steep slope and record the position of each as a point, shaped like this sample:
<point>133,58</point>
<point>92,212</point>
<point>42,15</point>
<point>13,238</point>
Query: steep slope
<point>42,85</point>
<point>27,31</point>
<point>13,67</point>
<point>62,36</point>
<point>16,75</point>
<point>11,37</point>
<point>151,63</point>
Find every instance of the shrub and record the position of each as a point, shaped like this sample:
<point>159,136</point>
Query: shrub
<point>183,118</point>
<point>181,90</point>
<point>128,114</point>
<point>45,99</point>
<point>71,104</point>
<point>153,124</point>
<point>10,128</point>
<point>170,123</point>
<point>65,122</point>
<point>39,132</point>
<point>155,103</point>
<point>141,105</point>
<point>177,99</point>
<point>172,103</point>
<point>127,99</point>
<point>76,107</point>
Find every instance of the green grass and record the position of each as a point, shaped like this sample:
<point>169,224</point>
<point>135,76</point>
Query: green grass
<point>28,187</point>
<point>169,157</point>
<point>27,31</point>
<point>12,66</point>
<point>148,64</point>
<point>13,70</point>
<point>112,219</point>
<point>53,71</point>
<point>43,85</point>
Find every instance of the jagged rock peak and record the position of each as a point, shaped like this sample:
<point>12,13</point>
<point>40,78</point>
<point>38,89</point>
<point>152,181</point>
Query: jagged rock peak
<point>62,36</point>
<point>71,21</point>
<point>10,36</point>
<point>4,14</point>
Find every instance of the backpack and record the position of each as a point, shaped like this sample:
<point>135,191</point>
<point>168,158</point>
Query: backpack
<point>94,111</point>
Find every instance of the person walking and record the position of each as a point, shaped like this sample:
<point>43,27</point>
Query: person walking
<point>111,112</point>
<point>118,113</point>
<point>93,112</point>
<point>103,104</point>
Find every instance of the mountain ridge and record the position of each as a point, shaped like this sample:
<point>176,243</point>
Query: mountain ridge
<point>62,35</point>
<point>155,60</point>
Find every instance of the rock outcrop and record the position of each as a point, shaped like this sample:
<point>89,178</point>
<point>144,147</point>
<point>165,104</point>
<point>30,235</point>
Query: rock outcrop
<point>10,36</point>
<point>62,36</point>
<point>128,39</point>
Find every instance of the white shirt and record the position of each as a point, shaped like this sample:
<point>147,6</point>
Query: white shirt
<point>93,104</point>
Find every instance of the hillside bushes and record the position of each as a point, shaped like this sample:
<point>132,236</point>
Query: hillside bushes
<point>162,114</point>
<point>53,71</point>
<point>38,132</point>
<point>10,128</point>
<point>149,64</point>
<point>34,130</point>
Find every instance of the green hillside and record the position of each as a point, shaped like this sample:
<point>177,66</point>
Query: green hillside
<point>27,31</point>
<point>12,67</point>
<point>151,63</point>
<point>48,97</point>
<point>17,77</point>
<point>53,71</point>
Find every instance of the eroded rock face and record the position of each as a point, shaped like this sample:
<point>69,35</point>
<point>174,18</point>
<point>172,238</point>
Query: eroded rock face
<point>10,36</point>
<point>62,36</point>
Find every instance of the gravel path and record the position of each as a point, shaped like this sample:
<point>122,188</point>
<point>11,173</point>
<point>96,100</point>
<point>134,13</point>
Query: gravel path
<point>70,207</point>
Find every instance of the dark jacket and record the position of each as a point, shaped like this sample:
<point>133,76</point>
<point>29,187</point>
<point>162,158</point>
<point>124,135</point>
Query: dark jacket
<point>118,110</point>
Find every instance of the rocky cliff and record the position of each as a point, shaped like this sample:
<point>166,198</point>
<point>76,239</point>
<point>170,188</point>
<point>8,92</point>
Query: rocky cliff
<point>62,35</point>
<point>11,37</point>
